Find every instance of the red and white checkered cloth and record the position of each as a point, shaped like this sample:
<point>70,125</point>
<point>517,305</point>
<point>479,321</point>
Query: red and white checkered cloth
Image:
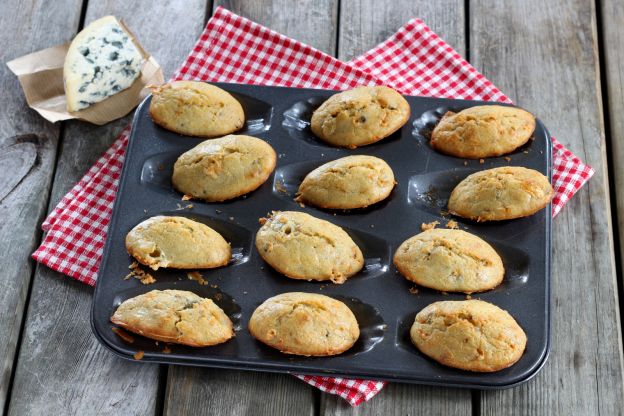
<point>414,61</point>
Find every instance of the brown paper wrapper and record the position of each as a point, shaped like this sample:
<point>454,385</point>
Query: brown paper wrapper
<point>41,77</point>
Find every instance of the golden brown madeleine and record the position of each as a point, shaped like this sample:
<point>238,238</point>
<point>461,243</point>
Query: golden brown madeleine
<point>301,246</point>
<point>500,194</point>
<point>196,109</point>
<point>225,168</point>
<point>483,131</point>
<point>450,261</point>
<point>471,335</point>
<point>177,242</point>
<point>175,316</point>
<point>305,324</point>
<point>348,182</point>
<point>360,116</point>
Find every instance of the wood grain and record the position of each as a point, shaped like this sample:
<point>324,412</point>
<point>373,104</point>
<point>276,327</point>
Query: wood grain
<point>612,12</point>
<point>62,368</point>
<point>26,178</point>
<point>228,393</point>
<point>245,392</point>
<point>548,63</point>
<point>309,21</point>
<point>364,24</point>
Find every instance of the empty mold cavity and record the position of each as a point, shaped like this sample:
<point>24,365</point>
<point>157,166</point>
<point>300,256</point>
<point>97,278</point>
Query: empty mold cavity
<point>431,191</point>
<point>297,120</point>
<point>258,114</point>
<point>158,169</point>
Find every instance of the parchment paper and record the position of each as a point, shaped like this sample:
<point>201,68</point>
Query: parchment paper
<point>41,77</point>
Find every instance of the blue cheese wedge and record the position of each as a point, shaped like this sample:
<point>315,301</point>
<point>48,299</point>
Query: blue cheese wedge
<point>101,61</point>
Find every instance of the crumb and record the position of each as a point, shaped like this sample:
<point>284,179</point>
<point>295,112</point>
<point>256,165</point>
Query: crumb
<point>334,214</point>
<point>195,275</point>
<point>481,161</point>
<point>468,297</point>
<point>186,197</point>
<point>214,286</point>
<point>145,211</point>
<point>507,158</point>
<point>218,296</point>
<point>413,290</point>
<point>429,226</point>
<point>322,154</point>
<point>218,211</point>
<point>231,218</point>
<point>372,225</point>
<point>244,196</point>
<point>180,207</point>
<point>444,213</point>
<point>526,152</point>
<point>244,292</point>
<point>444,293</point>
<point>123,334</point>
<point>261,267</point>
<point>140,274</point>
<point>279,186</point>
<point>465,163</point>
<point>156,342</point>
<point>138,355</point>
<point>452,225</point>
<point>148,279</point>
<point>301,204</point>
<point>166,350</point>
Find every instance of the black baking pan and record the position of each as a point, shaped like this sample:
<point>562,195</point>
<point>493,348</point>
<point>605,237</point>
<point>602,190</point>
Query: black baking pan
<point>380,298</point>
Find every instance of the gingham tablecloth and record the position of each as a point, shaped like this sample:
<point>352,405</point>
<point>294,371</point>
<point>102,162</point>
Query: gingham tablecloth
<point>414,61</point>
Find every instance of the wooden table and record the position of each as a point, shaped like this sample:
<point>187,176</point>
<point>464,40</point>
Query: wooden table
<point>563,60</point>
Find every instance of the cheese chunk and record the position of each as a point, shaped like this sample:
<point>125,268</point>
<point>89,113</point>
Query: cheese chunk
<point>101,61</point>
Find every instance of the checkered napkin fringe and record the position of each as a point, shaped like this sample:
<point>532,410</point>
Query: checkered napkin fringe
<point>414,61</point>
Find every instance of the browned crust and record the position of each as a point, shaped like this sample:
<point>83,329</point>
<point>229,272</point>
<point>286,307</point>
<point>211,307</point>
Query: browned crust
<point>508,217</point>
<point>160,337</point>
<point>475,368</point>
<point>173,265</point>
<point>374,140</point>
<point>301,277</point>
<point>326,353</point>
<point>475,154</point>
<point>301,198</point>
<point>407,275</point>
<point>252,187</point>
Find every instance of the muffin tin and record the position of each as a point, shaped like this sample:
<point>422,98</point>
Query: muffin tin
<point>379,297</point>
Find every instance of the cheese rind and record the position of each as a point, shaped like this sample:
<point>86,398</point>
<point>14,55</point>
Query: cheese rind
<point>101,61</point>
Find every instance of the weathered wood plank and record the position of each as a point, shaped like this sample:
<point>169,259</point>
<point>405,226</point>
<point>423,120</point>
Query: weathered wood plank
<point>25,181</point>
<point>363,25</point>
<point>366,23</point>
<point>241,393</point>
<point>228,392</point>
<point>547,61</point>
<point>311,22</point>
<point>62,369</point>
<point>612,13</point>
